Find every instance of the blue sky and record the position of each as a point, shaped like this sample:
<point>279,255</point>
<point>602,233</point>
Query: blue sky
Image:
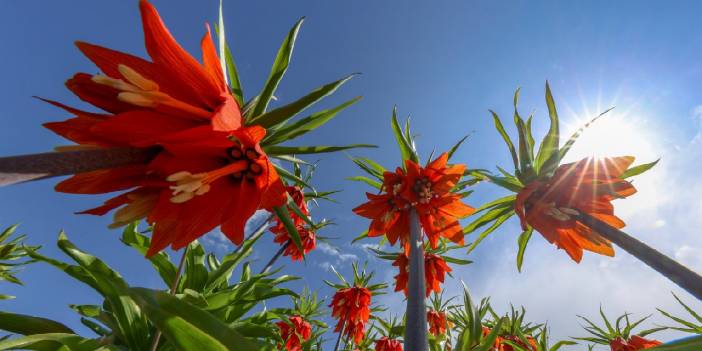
<point>445,64</point>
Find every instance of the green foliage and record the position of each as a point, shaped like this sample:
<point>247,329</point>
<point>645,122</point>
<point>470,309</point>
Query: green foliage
<point>207,312</point>
<point>621,328</point>
<point>13,255</point>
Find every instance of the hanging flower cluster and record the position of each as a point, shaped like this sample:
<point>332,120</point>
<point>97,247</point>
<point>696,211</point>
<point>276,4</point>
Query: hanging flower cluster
<point>351,306</point>
<point>387,344</point>
<point>550,195</point>
<point>428,190</point>
<point>307,235</point>
<point>587,186</point>
<point>438,324</point>
<point>635,343</point>
<point>435,269</point>
<point>294,332</point>
<point>207,163</point>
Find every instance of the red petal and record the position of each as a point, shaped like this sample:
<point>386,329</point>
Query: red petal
<point>170,57</point>
<point>104,180</point>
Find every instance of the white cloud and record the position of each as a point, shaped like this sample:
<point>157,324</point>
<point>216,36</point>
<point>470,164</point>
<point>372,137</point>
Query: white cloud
<point>334,252</point>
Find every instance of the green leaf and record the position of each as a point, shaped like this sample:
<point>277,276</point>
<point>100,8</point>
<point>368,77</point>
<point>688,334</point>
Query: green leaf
<point>548,156</point>
<point>29,325</point>
<point>280,65</point>
<point>160,261</point>
<point>498,221</point>
<point>405,145</point>
<point>370,167</point>
<point>284,113</point>
<point>366,180</point>
<point>634,171</point>
<point>110,284</point>
<point>522,241</point>
<point>501,201</point>
<point>307,124</point>
<point>298,150</point>
<point>501,129</point>
<point>456,146</point>
<point>188,327</point>
<point>488,217</point>
<point>284,217</point>
<point>53,342</point>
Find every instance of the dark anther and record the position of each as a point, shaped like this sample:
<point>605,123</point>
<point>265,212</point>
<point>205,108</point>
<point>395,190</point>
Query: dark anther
<point>235,152</point>
<point>251,154</point>
<point>237,175</point>
<point>255,168</point>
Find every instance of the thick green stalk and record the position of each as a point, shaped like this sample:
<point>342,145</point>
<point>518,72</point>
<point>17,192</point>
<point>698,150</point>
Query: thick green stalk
<point>19,169</point>
<point>174,287</point>
<point>676,272</point>
<point>416,329</point>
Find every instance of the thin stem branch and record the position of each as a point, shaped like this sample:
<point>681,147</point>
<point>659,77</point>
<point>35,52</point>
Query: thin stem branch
<point>275,258</point>
<point>18,169</point>
<point>341,332</point>
<point>416,338</point>
<point>676,272</point>
<point>174,287</point>
<point>256,233</point>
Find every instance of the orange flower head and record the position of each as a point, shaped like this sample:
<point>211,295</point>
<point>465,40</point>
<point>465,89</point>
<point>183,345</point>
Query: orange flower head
<point>355,330</point>
<point>402,278</point>
<point>429,191</point>
<point>388,211</point>
<point>437,322</point>
<point>207,170</point>
<point>307,236</point>
<point>587,186</point>
<point>516,340</point>
<point>634,343</point>
<point>294,333</point>
<point>387,344</point>
<point>435,269</point>
<point>351,306</point>
<point>497,345</point>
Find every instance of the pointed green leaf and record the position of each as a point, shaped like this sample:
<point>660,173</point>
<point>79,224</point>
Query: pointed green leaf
<point>405,146</point>
<point>548,155</point>
<point>28,325</point>
<point>307,124</point>
<point>284,217</point>
<point>188,327</point>
<point>522,241</point>
<point>634,171</point>
<point>501,129</point>
<point>280,65</point>
<point>366,180</point>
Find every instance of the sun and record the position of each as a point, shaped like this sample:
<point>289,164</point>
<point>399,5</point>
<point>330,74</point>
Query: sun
<point>613,134</point>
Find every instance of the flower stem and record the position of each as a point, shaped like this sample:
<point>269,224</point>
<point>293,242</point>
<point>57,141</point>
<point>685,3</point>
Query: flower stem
<point>174,287</point>
<point>676,272</point>
<point>341,332</point>
<point>18,169</point>
<point>416,330</point>
<point>275,258</point>
<point>256,234</point>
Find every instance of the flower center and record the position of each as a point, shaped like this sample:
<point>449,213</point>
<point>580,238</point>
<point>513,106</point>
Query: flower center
<point>422,187</point>
<point>243,165</point>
